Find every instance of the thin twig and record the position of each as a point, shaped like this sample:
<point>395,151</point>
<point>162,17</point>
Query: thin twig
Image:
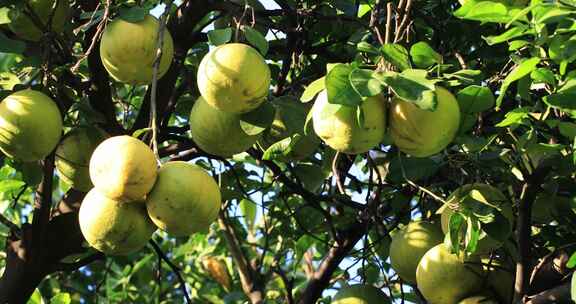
<point>96,37</point>
<point>155,67</point>
<point>174,268</point>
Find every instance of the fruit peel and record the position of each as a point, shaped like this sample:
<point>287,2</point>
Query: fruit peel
<point>22,25</point>
<point>184,200</point>
<point>30,125</point>
<point>128,50</point>
<point>360,294</point>
<point>234,78</point>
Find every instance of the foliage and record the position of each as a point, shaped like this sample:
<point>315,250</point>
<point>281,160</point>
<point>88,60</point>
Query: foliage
<point>285,221</point>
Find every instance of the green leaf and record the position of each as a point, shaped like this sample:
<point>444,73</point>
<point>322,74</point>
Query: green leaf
<point>4,18</point>
<point>36,298</point>
<point>487,11</point>
<point>475,99</point>
<point>61,298</point>
<point>455,224</point>
<point>572,261</point>
<point>523,69</point>
<point>543,75</point>
<point>564,97</point>
<point>8,80</point>
<point>516,116</point>
<point>368,48</point>
<point>364,82</point>
<point>423,55</point>
<point>466,76</point>
<point>132,14</point>
<point>279,149</point>
<point>313,89</point>
<point>32,173</point>
<point>256,39</point>
<point>412,86</point>
<point>512,33</point>
<point>248,209</point>
<point>219,37</point>
<point>472,234</point>
<point>517,44</point>
<point>555,15</point>
<point>397,55</point>
<point>8,45</point>
<point>258,120</point>
<point>339,88</point>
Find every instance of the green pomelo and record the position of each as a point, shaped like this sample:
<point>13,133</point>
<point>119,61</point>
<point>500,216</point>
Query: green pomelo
<point>73,156</point>
<point>113,227</point>
<point>30,125</point>
<point>184,200</point>
<point>227,20</point>
<point>128,50</point>
<point>445,278</point>
<point>218,133</point>
<point>289,120</point>
<point>478,300</point>
<point>494,197</point>
<point>340,129</point>
<point>234,78</point>
<point>422,133</point>
<point>123,168</point>
<point>360,294</point>
<point>409,245</point>
<point>24,27</point>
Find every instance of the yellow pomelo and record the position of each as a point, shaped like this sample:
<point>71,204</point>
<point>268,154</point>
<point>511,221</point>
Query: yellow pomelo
<point>234,78</point>
<point>217,132</point>
<point>73,156</point>
<point>422,133</point>
<point>507,2</point>
<point>484,192</point>
<point>128,50</point>
<point>184,200</point>
<point>289,120</point>
<point>123,168</point>
<point>478,300</point>
<point>445,278</point>
<point>227,20</point>
<point>360,294</point>
<point>30,125</point>
<point>408,246</point>
<point>22,25</point>
<point>113,227</point>
<point>340,129</point>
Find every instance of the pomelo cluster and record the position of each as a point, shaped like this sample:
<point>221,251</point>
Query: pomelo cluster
<point>414,131</point>
<point>233,79</point>
<point>419,257</point>
<point>131,197</point>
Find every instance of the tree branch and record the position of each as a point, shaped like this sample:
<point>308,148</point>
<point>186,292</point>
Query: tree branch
<point>174,268</point>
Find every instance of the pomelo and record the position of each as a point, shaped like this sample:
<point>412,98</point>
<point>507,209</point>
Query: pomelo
<point>113,227</point>
<point>23,25</point>
<point>30,125</point>
<point>234,78</point>
<point>494,197</point>
<point>408,246</point>
<point>339,127</point>
<point>360,294</point>
<point>128,50</point>
<point>446,278</point>
<point>184,200</point>
<point>423,133</point>
<point>73,156</point>
<point>123,168</point>
<point>217,132</point>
